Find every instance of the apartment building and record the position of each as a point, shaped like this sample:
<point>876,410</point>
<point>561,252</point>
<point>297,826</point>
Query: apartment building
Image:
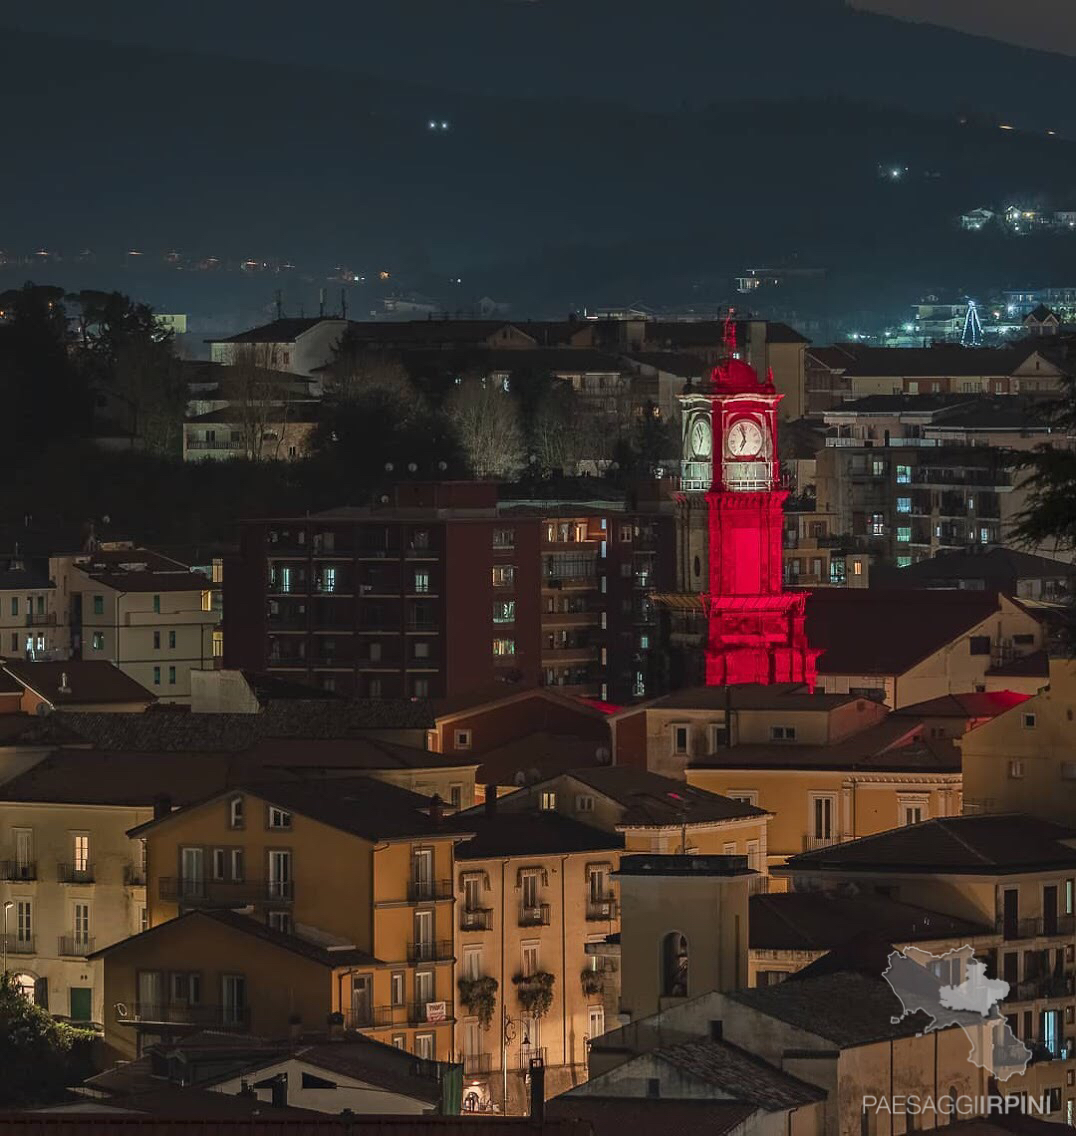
<point>816,553</point>
<point>534,888</point>
<point>31,627</point>
<point>71,880</point>
<point>375,942</point>
<point>146,613</point>
<point>1022,760</point>
<point>1015,874</point>
<point>390,601</point>
<point>301,346</point>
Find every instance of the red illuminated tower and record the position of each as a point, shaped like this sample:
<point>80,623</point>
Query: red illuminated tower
<point>755,628</point>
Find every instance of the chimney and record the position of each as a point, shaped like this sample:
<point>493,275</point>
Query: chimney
<point>246,1089</point>
<point>280,1090</point>
<point>437,810</point>
<point>537,1071</point>
<point>491,800</point>
<point>65,686</point>
<point>162,806</point>
<point>717,1029</point>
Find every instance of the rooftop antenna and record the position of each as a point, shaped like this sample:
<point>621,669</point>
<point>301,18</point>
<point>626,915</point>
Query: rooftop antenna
<point>343,303</point>
<point>279,304</point>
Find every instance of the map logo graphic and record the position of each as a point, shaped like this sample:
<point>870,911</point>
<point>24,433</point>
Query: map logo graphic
<point>952,989</point>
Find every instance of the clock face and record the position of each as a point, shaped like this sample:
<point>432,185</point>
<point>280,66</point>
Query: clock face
<point>701,438</point>
<point>744,438</point>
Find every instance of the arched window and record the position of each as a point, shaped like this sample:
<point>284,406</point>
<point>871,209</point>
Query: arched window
<point>674,965</point>
<point>26,984</point>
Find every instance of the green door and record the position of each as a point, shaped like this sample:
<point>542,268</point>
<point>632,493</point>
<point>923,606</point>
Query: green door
<point>81,1003</point>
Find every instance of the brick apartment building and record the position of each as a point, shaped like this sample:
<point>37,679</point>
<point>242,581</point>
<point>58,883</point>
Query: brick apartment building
<point>444,591</point>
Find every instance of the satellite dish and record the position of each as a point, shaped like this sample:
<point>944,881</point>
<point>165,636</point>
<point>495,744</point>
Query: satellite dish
<point>121,1010</point>
<point>603,755</point>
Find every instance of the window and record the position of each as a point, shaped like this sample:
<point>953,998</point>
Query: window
<point>744,796</point>
<point>877,524</point>
<point>398,988</point>
<point>904,534</point>
<point>157,604</point>
<point>595,1022</point>
<point>98,605</point>
<point>424,1046</point>
<point>80,852</point>
<point>220,861</point>
<point>904,561</point>
<point>233,999</point>
<point>1029,721</point>
<point>912,812</point>
<point>548,800</point>
<point>156,676</point>
<point>878,467</point>
<point>171,640</point>
<point>186,987</point>
<point>235,812</point>
<point>504,538</point>
<point>857,567</point>
<point>680,739</point>
<point>823,807</point>
<point>420,688</point>
<point>904,475</point>
<point>584,803</point>
<point>14,640</point>
<point>80,913</point>
<point>98,640</point>
<point>24,922</point>
<point>462,739</point>
<point>14,605</point>
<point>472,962</point>
<point>455,797</point>
<point>171,676</point>
<point>1016,769</point>
<point>979,645</point>
<point>421,649</point>
<point>529,958</point>
<point>278,818</point>
<point>156,640</point>
<point>280,921</point>
<point>783,733</point>
<point>237,865</point>
<point>503,648</point>
<point>420,539</point>
<point>399,1040</point>
<point>422,581</point>
<point>504,611</point>
<point>504,575</point>
<point>904,504</point>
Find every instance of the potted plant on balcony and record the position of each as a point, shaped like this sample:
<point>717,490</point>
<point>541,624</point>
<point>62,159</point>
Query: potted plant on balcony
<point>592,981</point>
<point>479,995</point>
<point>535,992</point>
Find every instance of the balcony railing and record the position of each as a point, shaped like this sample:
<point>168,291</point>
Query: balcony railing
<point>182,1013</point>
<point>1045,986</point>
<point>41,619</point>
<point>479,919</point>
<point>75,946</point>
<point>603,908</point>
<point>431,1012</point>
<point>224,893</point>
<point>134,875</point>
<point>74,873</point>
<point>1036,927</point>
<point>16,945</point>
<point>437,950</point>
<point>18,869</point>
<point>534,915</point>
<point>213,444</point>
<point>474,1063</point>
<point>810,843</point>
<point>419,890</point>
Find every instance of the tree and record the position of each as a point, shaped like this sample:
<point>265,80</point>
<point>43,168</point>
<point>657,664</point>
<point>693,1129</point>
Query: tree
<point>260,394</point>
<point>39,1056</point>
<point>355,368</point>
<point>486,421</point>
<point>556,431</point>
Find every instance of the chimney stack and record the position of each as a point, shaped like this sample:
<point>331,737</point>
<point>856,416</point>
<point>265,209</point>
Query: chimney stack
<point>437,810</point>
<point>162,806</point>
<point>491,800</point>
<point>280,1090</point>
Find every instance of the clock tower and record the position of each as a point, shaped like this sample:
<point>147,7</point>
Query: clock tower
<point>755,629</point>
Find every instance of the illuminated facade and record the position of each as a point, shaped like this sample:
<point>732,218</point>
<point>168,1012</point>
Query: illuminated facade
<point>755,630</point>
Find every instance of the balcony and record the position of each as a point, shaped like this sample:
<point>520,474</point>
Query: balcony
<point>601,908</point>
<point>571,619</point>
<point>75,946</point>
<point>18,870</point>
<point>213,444</point>
<point>534,915</point>
<point>1045,986</point>
<point>224,893</point>
<point>419,891</point>
<point>479,919</point>
<point>377,551</point>
<point>810,843</point>
<point>477,1063</point>
<point>528,1053</point>
<point>74,873</point>
<point>182,1014</point>
<point>41,619</point>
<point>422,624</point>
<point>439,950</point>
<point>16,945</point>
<point>134,875</point>
<point>1036,927</point>
<point>429,1013</point>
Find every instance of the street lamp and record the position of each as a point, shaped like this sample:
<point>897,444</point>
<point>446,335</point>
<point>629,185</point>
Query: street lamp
<point>8,905</point>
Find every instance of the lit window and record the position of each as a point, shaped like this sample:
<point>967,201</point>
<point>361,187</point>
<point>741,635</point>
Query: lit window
<point>504,575</point>
<point>904,504</point>
<point>98,640</point>
<point>504,538</point>
<point>904,535</point>
<point>278,818</point>
<point>904,561</point>
<point>235,812</point>
<point>857,567</point>
<point>548,800</point>
<point>422,581</point>
<point>1016,769</point>
<point>877,524</point>
<point>504,647</point>
<point>504,611</point>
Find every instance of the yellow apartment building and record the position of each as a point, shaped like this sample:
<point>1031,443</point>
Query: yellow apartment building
<point>348,863</point>
<point>533,889</point>
<point>30,625</point>
<point>1024,760</point>
<point>74,879</point>
<point>1015,873</point>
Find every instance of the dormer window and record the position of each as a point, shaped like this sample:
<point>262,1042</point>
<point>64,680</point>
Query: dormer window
<point>278,818</point>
